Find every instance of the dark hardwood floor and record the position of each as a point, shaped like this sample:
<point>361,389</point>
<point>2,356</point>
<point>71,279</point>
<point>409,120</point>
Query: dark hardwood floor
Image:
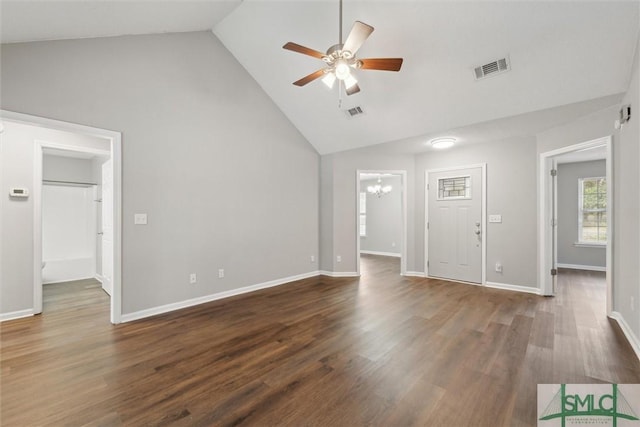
<point>380,350</point>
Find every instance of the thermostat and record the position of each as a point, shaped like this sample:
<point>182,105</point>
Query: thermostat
<point>19,192</point>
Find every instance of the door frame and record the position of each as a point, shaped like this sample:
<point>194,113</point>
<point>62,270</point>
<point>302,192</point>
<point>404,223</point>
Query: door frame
<point>545,216</point>
<point>102,216</point>
<point>483,220</point>
<point>115,153</point>
<point>403,244</point>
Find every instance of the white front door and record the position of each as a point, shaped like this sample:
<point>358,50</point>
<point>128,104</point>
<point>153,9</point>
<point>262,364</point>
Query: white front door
<point>455,229</point>
<point>107,227</point>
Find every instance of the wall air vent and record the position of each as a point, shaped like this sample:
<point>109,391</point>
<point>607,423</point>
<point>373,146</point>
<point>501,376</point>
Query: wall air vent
<point>492,68</point>
<point>353,112</point>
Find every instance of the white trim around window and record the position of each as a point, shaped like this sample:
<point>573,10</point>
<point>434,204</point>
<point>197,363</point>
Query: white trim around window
<point>598,211</point>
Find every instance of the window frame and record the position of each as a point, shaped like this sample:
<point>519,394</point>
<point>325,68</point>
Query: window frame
<point>581,241</point>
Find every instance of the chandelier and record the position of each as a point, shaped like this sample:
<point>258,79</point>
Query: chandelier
<point>378,189</point>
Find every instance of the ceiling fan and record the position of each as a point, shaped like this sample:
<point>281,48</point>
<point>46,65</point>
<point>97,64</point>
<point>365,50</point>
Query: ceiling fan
<point>341,60</point>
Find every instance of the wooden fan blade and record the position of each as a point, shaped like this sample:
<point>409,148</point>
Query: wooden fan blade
<point>304,50</point>
<point>359,33</point>
<point>383,64</point>
<point>308,79</point>
<point>353,89</point>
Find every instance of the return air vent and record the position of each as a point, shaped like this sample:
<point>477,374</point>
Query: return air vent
<point>492,68</point>
<point>353,112</point>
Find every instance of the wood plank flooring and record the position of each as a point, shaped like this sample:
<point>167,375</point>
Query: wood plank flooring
<point>379,350</point>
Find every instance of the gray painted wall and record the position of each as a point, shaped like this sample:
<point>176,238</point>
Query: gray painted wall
<point>326,214</point>
<point>568,252</point>
<point>626,246</point>
<point>511,184</point>
<point>16,215</point>
<point>384,218</point>
<point>338,187</point>
<point>57,168</point>
<point>626,196</point>
<point>199,138</point>
<point>511,166</point>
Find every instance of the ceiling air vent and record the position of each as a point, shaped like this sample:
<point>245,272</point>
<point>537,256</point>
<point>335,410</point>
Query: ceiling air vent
<point>353,112</point>
<point>492,68</point>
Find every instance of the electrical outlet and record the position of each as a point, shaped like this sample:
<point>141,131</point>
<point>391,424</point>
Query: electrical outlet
<point>632,301</point>
<point>393,244</point>
<point>140,219</point>
<point>313,258</point>
<point>498,267</point>
<point>339,258</point>
<point>220,273</point>
<point>193,278</point>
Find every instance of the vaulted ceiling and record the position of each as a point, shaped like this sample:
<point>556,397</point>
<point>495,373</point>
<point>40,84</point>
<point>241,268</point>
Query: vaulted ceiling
<point>561,53</point>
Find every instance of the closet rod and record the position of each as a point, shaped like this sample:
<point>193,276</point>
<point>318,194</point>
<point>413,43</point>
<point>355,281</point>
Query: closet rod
<point>50,181</point>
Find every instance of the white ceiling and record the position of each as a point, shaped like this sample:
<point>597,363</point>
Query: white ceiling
<point>561,53</point>
<point>584,155</point>
<point>569,54</point>
<point>24,20</point>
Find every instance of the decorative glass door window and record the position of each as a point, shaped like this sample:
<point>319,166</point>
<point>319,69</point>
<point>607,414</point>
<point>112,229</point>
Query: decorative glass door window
<point>457,187</point>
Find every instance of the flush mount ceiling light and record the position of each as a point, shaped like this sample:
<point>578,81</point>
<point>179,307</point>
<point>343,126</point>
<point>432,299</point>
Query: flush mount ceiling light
<point>442,142</point>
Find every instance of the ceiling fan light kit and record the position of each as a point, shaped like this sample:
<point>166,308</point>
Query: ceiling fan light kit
<point>341,60</point>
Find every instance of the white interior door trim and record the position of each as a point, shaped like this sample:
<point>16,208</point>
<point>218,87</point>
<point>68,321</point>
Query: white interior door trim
<point>403,246</point>
<point>545,261</point>
<point>116,154</point>
<point>39,145</point>
<point>483,166</point>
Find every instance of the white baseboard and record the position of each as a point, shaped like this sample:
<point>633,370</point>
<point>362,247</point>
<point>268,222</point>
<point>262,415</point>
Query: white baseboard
<point>461,282</point>
<point>128,317</point>
<point>68,270</point>
<point>393,254</point>
<point>99,278</point>
<point>415,274</point>
<point>338,273</point>
<point>70,280</point>
<point>16,314</point>
<point>517,288</point>
<point>627,331</point>
<point>582,267</point>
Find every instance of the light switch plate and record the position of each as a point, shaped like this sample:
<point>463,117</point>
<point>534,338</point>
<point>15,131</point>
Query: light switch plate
<point>140,219</point>
<point>495,218</point>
